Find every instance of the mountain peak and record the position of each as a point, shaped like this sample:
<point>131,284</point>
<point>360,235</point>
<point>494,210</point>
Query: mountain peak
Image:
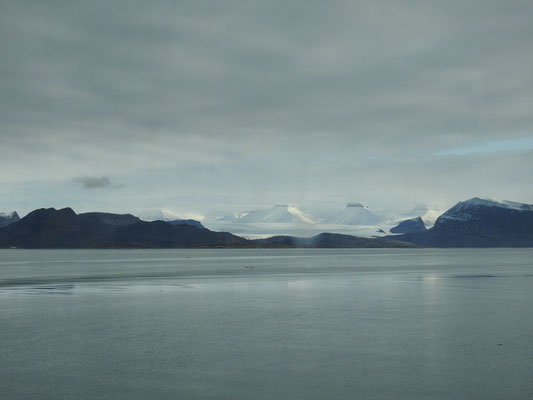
<point>8,218</point>
<point>470,210</point>
<point>51,211</point>
<point>167,216</point>
<point>157,215</point>
<point>486,202</point>
<point>355,214</point>
<point>67,210</point>
<point>279,213</point>
<point>9,214</point>
<point>411,225</point>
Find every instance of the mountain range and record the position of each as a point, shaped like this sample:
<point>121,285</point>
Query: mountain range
<point>51,228</point>
<point>354,219</point>
<point>473,223</point>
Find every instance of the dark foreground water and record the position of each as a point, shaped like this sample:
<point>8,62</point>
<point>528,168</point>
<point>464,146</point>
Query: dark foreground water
<point>266,324</point>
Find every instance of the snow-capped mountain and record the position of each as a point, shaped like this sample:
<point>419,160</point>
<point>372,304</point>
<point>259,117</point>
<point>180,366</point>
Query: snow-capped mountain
<point>480,223</point>
<point>8,218</point>
<point>157,215</point>
<point>167,216</point>
<point>280,213</point>
<point>355,214</point>
<point>12,214</point>
<point>428,214</point>
<point>470,209</point>
<point>232,217</point>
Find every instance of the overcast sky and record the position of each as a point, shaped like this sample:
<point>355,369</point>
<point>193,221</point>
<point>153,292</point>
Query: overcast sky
<point>210,107</point>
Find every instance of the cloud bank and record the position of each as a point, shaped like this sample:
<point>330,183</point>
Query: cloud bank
<point>200,106</point>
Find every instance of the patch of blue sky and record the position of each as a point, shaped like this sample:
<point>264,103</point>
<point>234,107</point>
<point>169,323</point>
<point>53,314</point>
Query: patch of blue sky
<point>494,146</point>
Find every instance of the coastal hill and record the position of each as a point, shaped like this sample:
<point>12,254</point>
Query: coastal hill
<point>479,223</point>
<point>331,240</point>
<point>51,228</point>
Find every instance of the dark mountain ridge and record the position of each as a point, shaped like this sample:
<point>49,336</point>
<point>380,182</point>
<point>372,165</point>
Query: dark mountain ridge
<point>191,222</point>
<point>412,225</point>
<point>479,223</point>
<point>331,240</point>
<point>472,223</point>
<point>51,228</point>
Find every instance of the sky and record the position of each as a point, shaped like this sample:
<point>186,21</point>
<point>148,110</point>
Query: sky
<point>215,107</point>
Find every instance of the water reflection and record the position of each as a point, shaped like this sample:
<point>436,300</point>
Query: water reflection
<point>357,325</point>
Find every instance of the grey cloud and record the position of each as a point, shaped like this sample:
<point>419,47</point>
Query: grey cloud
<point>93,182</point>
<point>393,69</point>
<point>248,90</point>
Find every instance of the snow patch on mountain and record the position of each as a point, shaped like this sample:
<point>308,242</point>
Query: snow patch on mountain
<point>280,213</point>
<point>468,210</point>
<point>355,214</point>
<point>166,215</point>
<point>300,215</point>
<point>429,214</point>
<point>157,215</point>
<point>8,218</point>
<point>486,202</point>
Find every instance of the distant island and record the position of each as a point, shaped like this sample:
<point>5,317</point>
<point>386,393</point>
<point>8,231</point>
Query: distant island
<point>472,223</point>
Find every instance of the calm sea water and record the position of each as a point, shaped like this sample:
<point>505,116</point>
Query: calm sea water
<point>266,324</point>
